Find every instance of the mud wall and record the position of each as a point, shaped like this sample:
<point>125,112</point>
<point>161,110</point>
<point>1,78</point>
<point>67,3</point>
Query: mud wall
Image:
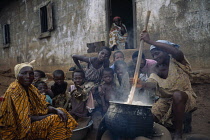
<point>185,22</point>
<point>76,22</point>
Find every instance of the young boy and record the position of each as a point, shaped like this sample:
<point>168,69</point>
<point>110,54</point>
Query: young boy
<point>107,90</point>
<point>59,89</point>
<point>121,80</point>
<point>81,96</point>
<point>145,66</point>
<point>41,76</point>
<point>118,55</point>
<point>42,87</point>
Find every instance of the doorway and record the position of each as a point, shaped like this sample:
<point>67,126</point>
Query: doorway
<point>126,10</point>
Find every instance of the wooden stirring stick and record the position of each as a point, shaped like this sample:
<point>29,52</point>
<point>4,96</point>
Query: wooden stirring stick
<point>136,74</point>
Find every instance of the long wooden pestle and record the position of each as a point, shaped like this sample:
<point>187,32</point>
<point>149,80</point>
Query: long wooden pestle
<point>136,74</point>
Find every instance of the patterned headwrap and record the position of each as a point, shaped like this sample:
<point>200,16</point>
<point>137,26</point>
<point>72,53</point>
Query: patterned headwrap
<point>18,67</point>
<point>166,42</point>
<point>116,18</point>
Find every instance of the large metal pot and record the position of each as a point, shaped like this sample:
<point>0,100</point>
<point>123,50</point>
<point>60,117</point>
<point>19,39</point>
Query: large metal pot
<point>129,121</point>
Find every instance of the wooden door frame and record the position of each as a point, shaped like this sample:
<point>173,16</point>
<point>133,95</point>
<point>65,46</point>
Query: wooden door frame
<point>107,9</point>
<point>134,25</point>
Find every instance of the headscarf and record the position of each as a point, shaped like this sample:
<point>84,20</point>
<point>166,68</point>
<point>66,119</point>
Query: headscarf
<point>166,42</point>
<point>18,67</point>
<point>116,18</point>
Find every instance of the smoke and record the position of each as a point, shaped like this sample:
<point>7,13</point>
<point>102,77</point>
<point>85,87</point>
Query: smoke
<point>141,97</point>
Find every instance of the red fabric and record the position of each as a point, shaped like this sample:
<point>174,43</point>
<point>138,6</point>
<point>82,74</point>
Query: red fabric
<point>1,99</point>
<point>116,18</point>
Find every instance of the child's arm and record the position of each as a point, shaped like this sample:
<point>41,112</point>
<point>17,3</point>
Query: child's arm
<point>78,58</point>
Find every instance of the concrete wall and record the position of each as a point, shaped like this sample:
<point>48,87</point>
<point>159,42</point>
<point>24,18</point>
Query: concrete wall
<point>185,22</point>
<point>77,22</point>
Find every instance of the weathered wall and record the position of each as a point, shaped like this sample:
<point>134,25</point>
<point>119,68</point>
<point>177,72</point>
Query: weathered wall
<point>186,22</point>
<point>77,22</point>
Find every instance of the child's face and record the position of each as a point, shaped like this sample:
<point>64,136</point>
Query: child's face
<point>36,76</point>
<point>107,77</point>
<point>121,69</point>
<point>143,62</point>
<point>103,55</point>
<point>42,87</point>
<point>78,78</point>
<point>59,79</point>
<point>118,56</point>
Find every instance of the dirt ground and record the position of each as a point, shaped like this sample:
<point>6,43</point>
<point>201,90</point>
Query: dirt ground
<point>201,117</point>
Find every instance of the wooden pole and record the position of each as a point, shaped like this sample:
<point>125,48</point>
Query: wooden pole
<point>136,74</point>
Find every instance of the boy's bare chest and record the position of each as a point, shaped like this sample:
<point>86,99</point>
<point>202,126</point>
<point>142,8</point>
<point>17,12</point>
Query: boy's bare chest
<point>109,90</point>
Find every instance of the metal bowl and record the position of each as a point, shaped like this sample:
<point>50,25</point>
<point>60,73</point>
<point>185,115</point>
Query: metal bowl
<point>80,133</point>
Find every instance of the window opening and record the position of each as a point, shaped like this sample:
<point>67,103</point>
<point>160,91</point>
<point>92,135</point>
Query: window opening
<point>43,16</point>
<point>46,18</point>
<point>6,34</point>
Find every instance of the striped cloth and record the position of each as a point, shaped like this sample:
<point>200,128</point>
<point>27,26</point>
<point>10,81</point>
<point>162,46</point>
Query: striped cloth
<point>15,112</point>
<point>92,74</point>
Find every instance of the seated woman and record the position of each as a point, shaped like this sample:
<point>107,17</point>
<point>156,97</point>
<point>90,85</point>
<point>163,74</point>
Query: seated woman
<point>171,77</point>
<point>117,35</point>
<point>24,114</point>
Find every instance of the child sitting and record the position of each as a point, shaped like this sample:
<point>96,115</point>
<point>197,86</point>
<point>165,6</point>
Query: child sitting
<point>59,89</point>
<point>95,64</point>
<point>81,98</point>
<point>145,66</point>
<point>41,76</point>
<point>107,90</point>
<point>118,55</point>
<point>42,87</point>
<point>121,80</point>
